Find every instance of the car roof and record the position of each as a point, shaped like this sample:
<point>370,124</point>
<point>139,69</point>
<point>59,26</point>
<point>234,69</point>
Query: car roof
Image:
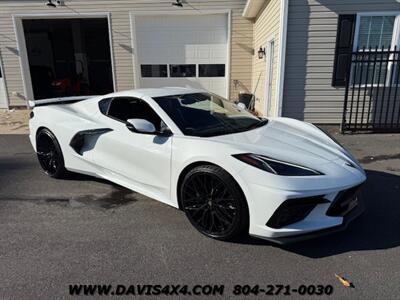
<point>156,92</point>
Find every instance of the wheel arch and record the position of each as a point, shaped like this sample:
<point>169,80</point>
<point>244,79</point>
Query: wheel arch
<point>183,173</point>
<point>40,129</point>
<point>193,165</point>
<point>34,132</point>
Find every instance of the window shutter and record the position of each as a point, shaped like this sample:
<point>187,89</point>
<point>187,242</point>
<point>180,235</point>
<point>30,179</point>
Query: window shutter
<point>344,48</point>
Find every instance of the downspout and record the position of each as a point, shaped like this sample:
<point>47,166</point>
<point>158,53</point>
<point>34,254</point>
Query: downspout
<point>282,54</point>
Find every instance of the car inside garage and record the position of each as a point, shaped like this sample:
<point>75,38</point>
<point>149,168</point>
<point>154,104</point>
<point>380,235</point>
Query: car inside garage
<point>183,50</point>
<point>68,57</point>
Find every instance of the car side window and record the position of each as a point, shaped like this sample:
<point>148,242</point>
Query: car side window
<point>104,105</point>
<point>125,108</point>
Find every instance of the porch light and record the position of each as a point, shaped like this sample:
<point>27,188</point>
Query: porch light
<point>261,53</point>
<point>177,3</point>
<point>50,3</point>
<point>54,3</point>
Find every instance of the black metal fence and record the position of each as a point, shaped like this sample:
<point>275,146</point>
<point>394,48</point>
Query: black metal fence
<point>372,99</point>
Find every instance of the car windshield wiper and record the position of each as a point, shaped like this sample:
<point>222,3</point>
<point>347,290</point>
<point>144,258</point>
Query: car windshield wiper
<point>205,132</point>
<point>233,131</point>
<point>261,123</point>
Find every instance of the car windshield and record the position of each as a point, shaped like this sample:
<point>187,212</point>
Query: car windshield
<point>205,115</point>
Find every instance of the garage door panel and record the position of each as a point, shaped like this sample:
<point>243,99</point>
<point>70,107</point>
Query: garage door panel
<point>182,40</point>
<point>203,52</point>
<point>204,37</point>
<point>220,35</point>
<point>219,54</point>
<point>152,56</point>
<point>183,82</point>
<point>148,38</point>
<point>190,51</point>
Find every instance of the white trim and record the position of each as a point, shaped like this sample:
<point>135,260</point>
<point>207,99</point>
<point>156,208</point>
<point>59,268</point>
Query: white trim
<point>61,15</point>
<point>114,79</point>
<point>23,59</point>
<point>396,32</point>
<point>3,75</point>
<point>378,13</point>
<point>356,32</point>
<point>252,8</point>
<point>134,14</point>
<point>23,55</point>
<point>150,13</point>
<point>269,72</point>
<point>134,45</point>
<point>280,74</point>
<point>228,56</point>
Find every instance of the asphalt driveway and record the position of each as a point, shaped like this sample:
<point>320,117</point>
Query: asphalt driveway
<point>59,232</point>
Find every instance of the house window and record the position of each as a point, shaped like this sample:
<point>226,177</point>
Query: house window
<point>376,39</point>
<point>375,31</point>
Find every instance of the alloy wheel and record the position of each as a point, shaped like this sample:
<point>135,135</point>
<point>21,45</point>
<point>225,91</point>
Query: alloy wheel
<point>209,204</point>
<point>48,155</point>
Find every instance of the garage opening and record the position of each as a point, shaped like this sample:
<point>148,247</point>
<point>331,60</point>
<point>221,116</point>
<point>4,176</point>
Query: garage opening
<point>68,57</point>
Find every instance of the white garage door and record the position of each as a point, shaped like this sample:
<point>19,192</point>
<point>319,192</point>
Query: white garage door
<point>187,51</point>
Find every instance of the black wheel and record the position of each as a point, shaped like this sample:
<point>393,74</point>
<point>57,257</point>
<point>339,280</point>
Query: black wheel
<point>214,203</point>
<point>49,154</point>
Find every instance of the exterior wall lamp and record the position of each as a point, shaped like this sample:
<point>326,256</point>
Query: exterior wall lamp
<point>261,53</point>
<point>177,3</point>
<point>54,3</point>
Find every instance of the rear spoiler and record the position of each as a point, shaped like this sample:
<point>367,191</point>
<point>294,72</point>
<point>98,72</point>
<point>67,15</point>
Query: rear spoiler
<point>61,100</point>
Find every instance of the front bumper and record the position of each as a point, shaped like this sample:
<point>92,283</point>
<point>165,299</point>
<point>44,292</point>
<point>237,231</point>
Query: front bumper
<point>286,240</point>
<point>264,200</point>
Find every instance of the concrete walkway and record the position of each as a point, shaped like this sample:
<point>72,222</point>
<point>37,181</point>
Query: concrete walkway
<point>14,121</point>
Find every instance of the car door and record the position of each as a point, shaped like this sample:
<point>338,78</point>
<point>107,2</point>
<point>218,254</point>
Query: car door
<point>136,160</point>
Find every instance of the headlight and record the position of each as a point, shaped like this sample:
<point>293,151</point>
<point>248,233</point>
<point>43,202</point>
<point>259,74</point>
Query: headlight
<point>275,166</point>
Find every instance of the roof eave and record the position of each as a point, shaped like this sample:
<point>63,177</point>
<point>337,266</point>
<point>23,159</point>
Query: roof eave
<point>252,8</point>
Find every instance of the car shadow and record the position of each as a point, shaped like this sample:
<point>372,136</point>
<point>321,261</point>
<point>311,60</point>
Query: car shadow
<point>377,228</point>
<point>73,176</point>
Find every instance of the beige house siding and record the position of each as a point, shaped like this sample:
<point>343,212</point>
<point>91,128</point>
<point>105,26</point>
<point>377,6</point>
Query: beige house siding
<point>241,37</point>
<point>311,37</point>
<point>266,26</point>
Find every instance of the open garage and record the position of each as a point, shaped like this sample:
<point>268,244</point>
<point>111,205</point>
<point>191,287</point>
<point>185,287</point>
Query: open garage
<point>68,57</point>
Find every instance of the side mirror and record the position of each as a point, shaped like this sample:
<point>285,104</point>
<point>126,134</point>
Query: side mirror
<point>141,126</point>
<point>165,133</point>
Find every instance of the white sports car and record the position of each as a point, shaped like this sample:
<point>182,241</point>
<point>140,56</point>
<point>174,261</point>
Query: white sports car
<point>229,171</point>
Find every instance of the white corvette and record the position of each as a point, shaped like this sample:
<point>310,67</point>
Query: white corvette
<point>229,171</point>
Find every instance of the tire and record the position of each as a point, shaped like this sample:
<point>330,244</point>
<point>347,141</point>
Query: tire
<point>49,154</point>
<point>214,203</point>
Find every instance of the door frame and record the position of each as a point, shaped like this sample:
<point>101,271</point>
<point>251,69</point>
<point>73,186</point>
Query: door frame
<point>150,13</point>
<point>269,72</point>
<point>3,76</point>
<point>23,53</point>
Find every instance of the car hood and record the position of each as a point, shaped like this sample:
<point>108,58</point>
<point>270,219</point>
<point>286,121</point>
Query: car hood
<point>289,140</point>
